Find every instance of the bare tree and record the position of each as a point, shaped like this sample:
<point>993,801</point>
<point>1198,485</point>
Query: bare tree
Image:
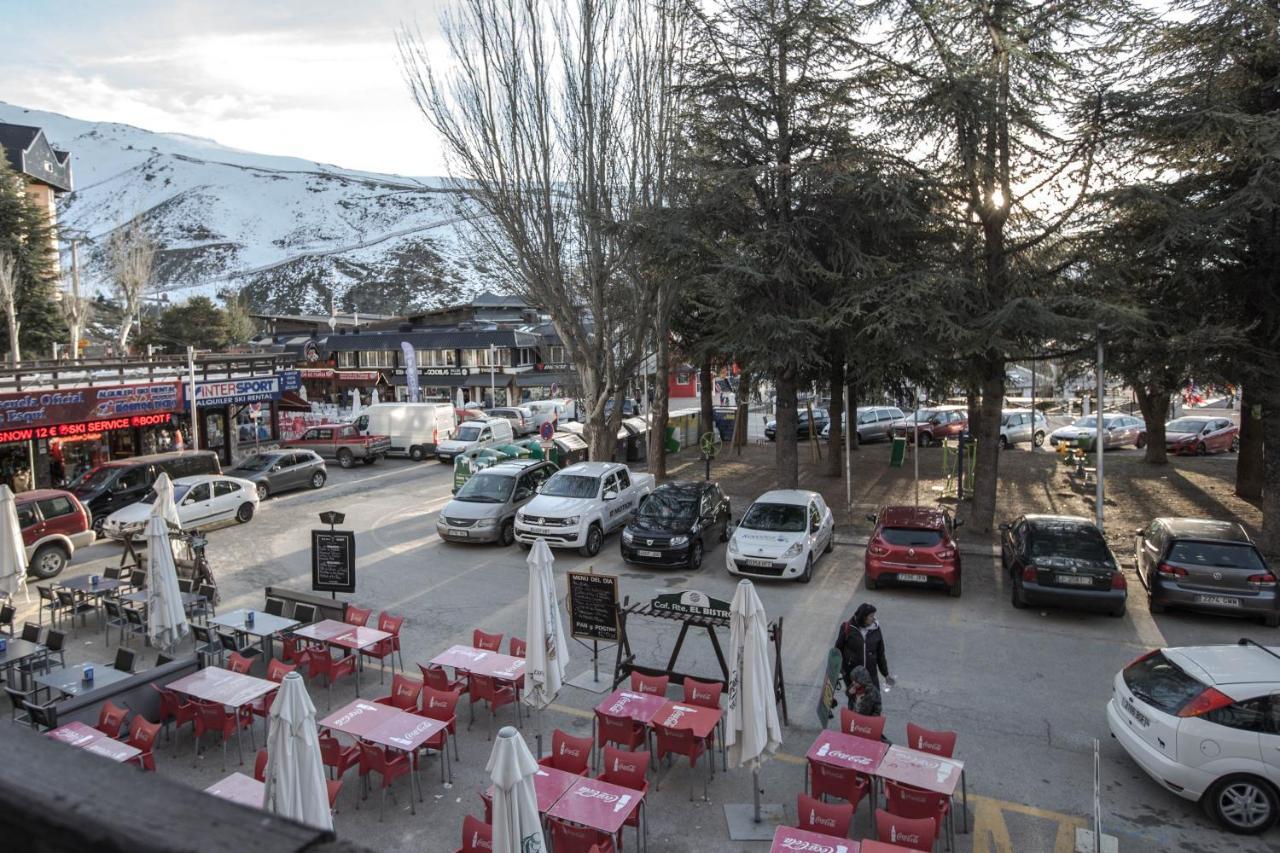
<point>132,254</point>
<point>9,298</point>
<point>76,309</point>
<point>544,114</point>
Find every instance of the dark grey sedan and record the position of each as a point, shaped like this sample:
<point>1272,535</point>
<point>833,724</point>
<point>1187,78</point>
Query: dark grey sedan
<point>274,471</point>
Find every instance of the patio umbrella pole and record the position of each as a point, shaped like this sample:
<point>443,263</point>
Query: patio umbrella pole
<point>755,790</point>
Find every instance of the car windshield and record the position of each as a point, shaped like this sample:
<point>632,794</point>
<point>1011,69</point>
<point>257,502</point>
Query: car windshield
<point>260,462</point>
<point>1216,554</point>
<point>1089,422</point>
<point>486,489</point>
<point>668,505</point>
<point>94,478</point>
<point>1076,541</point>
<point>1185,425</point>
<point>571,486</point>
<point>468,432</point>
<point>785,518</point>
<point>178,492</point>
<point>1157,681</point>
<point>910,537</point>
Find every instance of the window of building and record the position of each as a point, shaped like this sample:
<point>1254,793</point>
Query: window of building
<point>377,358</point>
<point>480,357</point>
<point>435,358</point>
<point>555,355</point>
<point>346,359</point>
<point>526,355</point>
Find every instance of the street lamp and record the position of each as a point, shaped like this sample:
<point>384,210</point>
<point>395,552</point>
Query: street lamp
<point>493,394</point>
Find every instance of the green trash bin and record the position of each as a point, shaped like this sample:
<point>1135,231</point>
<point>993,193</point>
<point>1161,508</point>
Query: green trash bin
<point>493,454</point>
<point>673,446</point>
<point>515,451</point>
<point>462,471</point>
<point>898,453</point>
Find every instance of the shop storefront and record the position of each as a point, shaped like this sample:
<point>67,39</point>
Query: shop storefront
<point>547,382</point>
<point>239,415</point>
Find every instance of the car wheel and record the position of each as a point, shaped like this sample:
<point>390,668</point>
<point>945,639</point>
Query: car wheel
<point>317,479</point>
<point>1242,804</point>
<point>1018,596</point>
<point>263,491</point>
<point>861,440</point>
<point>955,588</point>
<point>1004,442</point>
<point>927,439</point>
<point>244,513</point>
<point>508,534</point>
<point>48,561</point>
<point>724,534</point>
<point>416,453</point>
<point>1154,606</point>
<point>808,570</point>
<point>369,460</point>
<point>1201,450</point>
<point>1141,441</point>
<point>695,556</point>
<point>97,527</point>
<point>871,582</point>
<point>1235,444</point>
<point>345,459</point>
<point>595,537</point>
<point>1118,613</point>
<point>1038,440</point>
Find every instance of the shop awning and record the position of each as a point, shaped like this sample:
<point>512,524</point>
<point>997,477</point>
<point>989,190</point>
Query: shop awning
<point>432,381</point>
<point>543,379</point>
<point>481,380</point>
<point>292,402</point>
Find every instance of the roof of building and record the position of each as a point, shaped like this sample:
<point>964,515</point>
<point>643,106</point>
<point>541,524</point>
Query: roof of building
<point>27,150</point>
<point>441,338</point>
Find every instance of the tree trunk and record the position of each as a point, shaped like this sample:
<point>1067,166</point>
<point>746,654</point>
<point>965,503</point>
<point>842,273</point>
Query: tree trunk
<point>706,418</point>
<point>986,477</point>
<point>786,455</point>
<point>615,423</point>
<point>15,355</point>
<point>658,413</point>
<point>835,447</point>
<point>1249,474</point>
<point>1269,397</point>
<point>1153,402</point>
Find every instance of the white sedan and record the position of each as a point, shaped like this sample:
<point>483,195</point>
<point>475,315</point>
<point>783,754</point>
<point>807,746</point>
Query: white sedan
<point>781,536</point>
<point>202,500</point>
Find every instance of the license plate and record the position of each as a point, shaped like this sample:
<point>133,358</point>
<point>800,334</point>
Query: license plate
<point>453,531</point>
<point>1134,712</point>
<point>1074,580</point>
<point>649,553</point>
<point>762,563</point>
<point>540,530</point>
<point>913,578</point>
<point>1220,600</point>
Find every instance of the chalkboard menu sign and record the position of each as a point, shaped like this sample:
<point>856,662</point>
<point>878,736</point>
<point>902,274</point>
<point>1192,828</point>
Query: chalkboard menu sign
<point>333,561</point>
<point>593,606</point>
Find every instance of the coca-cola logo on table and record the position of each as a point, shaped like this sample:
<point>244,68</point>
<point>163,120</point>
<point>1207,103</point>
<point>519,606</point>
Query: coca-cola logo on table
<point>792,843</point>
<point>618,801</point>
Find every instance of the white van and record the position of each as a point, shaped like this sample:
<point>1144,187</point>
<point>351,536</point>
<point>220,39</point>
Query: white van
<point>556,411</point>
<point>416,429</point>
<point>474,435</point>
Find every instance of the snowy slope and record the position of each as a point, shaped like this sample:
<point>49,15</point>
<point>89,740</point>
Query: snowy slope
<point>285,231</point>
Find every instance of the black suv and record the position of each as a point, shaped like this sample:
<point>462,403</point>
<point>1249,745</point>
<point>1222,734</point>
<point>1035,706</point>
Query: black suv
<point>121,482</point>
<point>676,523</point>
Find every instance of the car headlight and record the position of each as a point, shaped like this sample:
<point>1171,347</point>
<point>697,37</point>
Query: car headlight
<point>571,521</point>
<point>678,541</point>
<point>794,551</point>
<point>627,537</point>
<point>733,546</point>
<point>486,522</point>
<point>520,517</point>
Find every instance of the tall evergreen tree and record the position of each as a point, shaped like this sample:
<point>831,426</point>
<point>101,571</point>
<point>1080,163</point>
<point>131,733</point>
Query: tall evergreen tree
<point>27,234</point>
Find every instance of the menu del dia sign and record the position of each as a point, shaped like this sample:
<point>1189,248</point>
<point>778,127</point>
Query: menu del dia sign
<point>333,561</point>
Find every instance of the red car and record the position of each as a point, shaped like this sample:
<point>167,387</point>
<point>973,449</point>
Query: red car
<point>54,524</point>
<point>933,425</point>
<point>914,546</point>
<point>1200,436</point>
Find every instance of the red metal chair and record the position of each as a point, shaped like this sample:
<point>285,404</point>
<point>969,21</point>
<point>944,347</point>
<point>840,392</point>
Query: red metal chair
<point>142,736</point>
<point>357,615</point>
<point>436,678</point>
<point>704,694</point>
<point>871,728</point>
<point>477,836</point>
<point>839,782</point>
<point>237,662</point>
<point>620,731</point>
<point>375,759</point>
<point>388,648</point>
<point>668,742</point>
<point>276,671</point>
<point>517,647</point>
<point>655,684</point>
<point>571,838</point>
<point>927,740</point>
<point>173,708</point>
<point>828,818</point>
<point>260,765</point>
<point>292,647</point>
<point>212,717</point>
<point>320,662</point>
<point>486,642</point>
<point>494,694</point>
<point>907,801</point>
<point>915,833</point>
<point>627,769</point>
<point>404,693</point>
<point>442,705</point>
<point>568,753</point>
<point>337,758</point>
<point>111,719</point>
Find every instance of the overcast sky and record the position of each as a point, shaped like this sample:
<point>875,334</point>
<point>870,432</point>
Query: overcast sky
<point>309,78</point>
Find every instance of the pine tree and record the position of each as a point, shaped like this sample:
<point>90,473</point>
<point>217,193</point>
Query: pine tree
<point>27,234</point>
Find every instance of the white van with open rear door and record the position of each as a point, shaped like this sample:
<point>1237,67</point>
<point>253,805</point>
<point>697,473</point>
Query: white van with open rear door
<point>416,429</point>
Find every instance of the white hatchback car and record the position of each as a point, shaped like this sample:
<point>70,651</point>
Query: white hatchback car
<point>1204,722</point>
<point>202,500</point>
<point>781,535</point>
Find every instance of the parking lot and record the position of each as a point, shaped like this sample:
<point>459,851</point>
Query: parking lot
<point>1024,689</point>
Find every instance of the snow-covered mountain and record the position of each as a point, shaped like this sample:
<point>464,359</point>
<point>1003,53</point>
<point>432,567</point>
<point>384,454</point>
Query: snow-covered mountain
<point>286,232</point>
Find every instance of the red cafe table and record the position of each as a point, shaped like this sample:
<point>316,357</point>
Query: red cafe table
<point>602,806</point>
<point>927,771</point>
<point>239,788</point>
<point>549,784</point>
<point>694,718</point>
<point>350,638</point>
<point>479,662</point>
<point>89,739</point>
<point>638,707</point>
<point>389,727</point>
<point>788,840</point>
<point>846,752</point>
<point>873,846</point>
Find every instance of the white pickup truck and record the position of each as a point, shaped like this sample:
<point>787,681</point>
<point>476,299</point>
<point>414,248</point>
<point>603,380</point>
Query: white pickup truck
<point>578,506</point>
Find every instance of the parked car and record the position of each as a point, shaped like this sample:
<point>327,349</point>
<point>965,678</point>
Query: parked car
<point>676,524</point>
<point>1201,436</point>
<point>122,482</point>
<point>581,504</point>
<point>474,435</point>
<point>277,471</point>
<point>1062,560</point>
<point>932,425</point>
<point>485,507</point>
<point>1118,430</point>
<point>874,423</point>
<point>913,546</point>
<point>415,429</point>
<point>781,535</point>
<point>469,412</point>
<point>1204,722</point>
<point>54,525</point>
<point>342,442</point>
<point>201,501</point>
<point>820,419</point>
<point>1201,564</point>
<point>556,411</point>
<point>521,417</point>
<point>1016,427</point>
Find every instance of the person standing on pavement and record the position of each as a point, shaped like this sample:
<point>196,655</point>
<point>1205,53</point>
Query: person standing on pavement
<point>861,643</point>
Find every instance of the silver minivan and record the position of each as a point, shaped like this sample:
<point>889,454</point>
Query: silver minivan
<point>484,509</point>
<point>1015,427</point>
<point>873,423</point>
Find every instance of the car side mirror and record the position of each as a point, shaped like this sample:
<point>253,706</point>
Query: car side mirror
<point>1003,527</point>
<point>523,494</point>
<point>276,467</point>
<point>871,516</point>
<point>957,524</point>
<point>610,495</point>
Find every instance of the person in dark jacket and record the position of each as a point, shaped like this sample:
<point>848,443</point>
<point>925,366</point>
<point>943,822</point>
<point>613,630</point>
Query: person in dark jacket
<point>860,643</point>
<point>864,694</point>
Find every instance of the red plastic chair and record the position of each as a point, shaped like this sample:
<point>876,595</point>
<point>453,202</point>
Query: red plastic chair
<point>568,753</point>
<point>627,769</point>
<point>871,728</point>
<point>669,742</point>
<point>237,662</point>
<point>334,786</point>
<point>927,740</point>
<point>442,705</point>
<point>404,693</point>
<point>142,736</point>
<point>486,642</point>
<point>517,647</point>
<point>276,671</point>
<point>388,648</point>
<point>704,694</point>
<point>436,678</point>
<point>571,838</point>
<point>375,759</point>
<point>827,818</point>
<point>907,801</point>
<point>839,782</point>
<point>655,684</point>
<point>212,717</point>
<point>260,766</point>
<point>173,708</point>
<point>357,615</point>
<point>620,731</point>
<point>292,648</point>
<point>915,833</point>
<point>320,662</point>
<point>111,719</point>
<point>477,836</point>
<point>337,758</point>
<point>494,694</point>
